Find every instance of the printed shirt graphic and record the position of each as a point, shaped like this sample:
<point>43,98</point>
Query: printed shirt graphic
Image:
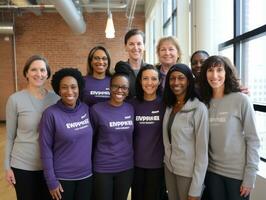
<point>66,143</point>
<point>114,128</point>
<point>234,143</point>
<point>148,137</point>
<point>96,90</point>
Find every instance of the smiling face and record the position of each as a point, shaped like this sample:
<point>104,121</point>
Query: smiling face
<point>178,84</point>
<point>168,54</point>
<point>69,91</point>
<point>37,73</point>
<point>196,63</point>
<point>99,62</point>
<point>135,47</point>
<point>149,82</point>
<point>216,77</point>
<point>119,90</point>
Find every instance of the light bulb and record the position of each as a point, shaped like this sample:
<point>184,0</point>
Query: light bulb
<point>110,29</point>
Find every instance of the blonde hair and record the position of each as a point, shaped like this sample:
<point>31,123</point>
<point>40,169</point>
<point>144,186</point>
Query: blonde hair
<point>172,40</point>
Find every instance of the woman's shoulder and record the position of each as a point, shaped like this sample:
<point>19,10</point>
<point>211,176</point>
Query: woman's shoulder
<point>18,96</point>
<point>238,97</point>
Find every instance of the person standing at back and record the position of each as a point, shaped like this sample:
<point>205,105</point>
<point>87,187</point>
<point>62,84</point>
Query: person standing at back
<point>196,60</point>
<point>169,53</point>
<point>23,112</point>
<point>98,77</point>
<point>134,46</point>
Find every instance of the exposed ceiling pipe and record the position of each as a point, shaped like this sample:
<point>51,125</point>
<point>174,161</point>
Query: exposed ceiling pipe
<point>131,13</point>
<point>27,6</point>
<point>6,28</point>
<point>71,15</point>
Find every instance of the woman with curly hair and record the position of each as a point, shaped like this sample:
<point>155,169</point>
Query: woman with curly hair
<point>66,139</point>
<point>234,142</point>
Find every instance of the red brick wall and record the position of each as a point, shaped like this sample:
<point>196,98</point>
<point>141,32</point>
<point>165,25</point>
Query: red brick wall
<point>50,36</point>
<point>7,84</point>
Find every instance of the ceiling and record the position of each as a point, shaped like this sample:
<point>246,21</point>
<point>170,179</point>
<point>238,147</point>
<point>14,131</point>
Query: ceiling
<point>83,5</point>
<point>70,10</point>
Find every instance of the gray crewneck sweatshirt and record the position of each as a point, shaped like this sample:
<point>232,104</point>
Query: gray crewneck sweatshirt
<point>23,113</point>
<point>234,142</point>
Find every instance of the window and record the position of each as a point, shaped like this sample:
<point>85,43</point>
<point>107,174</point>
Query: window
<point>169,17</point>
<point>248,47</point>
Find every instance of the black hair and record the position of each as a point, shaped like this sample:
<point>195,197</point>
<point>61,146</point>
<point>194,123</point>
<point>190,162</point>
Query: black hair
<point>231,83</point>
<point>168,96</point>
<point>31,60</point>
<point>90,58</point>
<point>60,74</point>
<point>199,52</point>
<point>119,74</point>
<point>138,86</point>
<point>133,32</point>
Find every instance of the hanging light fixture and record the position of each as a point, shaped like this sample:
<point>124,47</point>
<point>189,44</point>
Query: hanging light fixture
<point>110,29</point>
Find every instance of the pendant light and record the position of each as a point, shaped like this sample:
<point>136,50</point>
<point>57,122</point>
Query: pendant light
<point>110,29</point>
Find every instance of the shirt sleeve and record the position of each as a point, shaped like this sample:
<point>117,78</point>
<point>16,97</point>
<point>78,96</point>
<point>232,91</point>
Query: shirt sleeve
<point>11,129</point>
<point>46,140</point>
<point>201,128</point>
<point>252,142</point>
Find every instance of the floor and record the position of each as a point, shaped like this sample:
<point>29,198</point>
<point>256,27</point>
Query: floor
<point>7,192</point>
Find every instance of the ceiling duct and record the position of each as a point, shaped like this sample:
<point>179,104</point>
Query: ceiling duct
<point>6,28</point>
<point>71,15</point>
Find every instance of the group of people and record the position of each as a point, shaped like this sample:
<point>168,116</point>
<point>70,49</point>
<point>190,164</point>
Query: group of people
<point>142,127</point>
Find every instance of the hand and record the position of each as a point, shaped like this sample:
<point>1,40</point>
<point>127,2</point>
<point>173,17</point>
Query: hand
<point>56,193</point>
<point>10,177</point>
<point>245,191</point>
<point>192,198</point>
<point>244,90</point>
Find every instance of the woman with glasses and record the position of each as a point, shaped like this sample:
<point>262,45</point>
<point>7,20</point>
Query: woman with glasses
<point>98,77</point>
<point>112,121</point>
<point>134,46</point>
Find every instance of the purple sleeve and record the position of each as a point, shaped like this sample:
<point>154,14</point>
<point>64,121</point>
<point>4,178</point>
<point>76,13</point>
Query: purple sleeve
<point>46,140</point>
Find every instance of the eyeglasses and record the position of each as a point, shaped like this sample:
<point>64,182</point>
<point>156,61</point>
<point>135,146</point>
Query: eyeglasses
<point>98,59</point>
<point>117,87</point>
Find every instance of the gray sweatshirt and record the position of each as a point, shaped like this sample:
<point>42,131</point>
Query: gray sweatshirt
<point>187,154</point>
<point>234,142</point>
<point>23,113</point>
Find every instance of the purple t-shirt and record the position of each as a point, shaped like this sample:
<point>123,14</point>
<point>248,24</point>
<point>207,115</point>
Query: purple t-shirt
<point>114,128</point>
<point>65,143</point>
<point>96,90</point>
<point>148,136</point>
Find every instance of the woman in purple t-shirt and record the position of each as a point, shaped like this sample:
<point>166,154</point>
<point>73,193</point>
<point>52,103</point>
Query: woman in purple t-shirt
<point>113,148</point>
<point>148,137</point>
<point>98,77</point>
<point>66,140</point>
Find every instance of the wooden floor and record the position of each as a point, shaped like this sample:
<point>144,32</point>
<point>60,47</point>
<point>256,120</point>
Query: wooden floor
<point>6,192</point>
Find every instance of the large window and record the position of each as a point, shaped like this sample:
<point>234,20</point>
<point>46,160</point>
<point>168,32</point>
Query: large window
<point>169,17</point>
<point>247,48</point>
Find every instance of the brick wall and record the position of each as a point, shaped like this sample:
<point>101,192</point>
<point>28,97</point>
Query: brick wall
<point>50,36</point>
